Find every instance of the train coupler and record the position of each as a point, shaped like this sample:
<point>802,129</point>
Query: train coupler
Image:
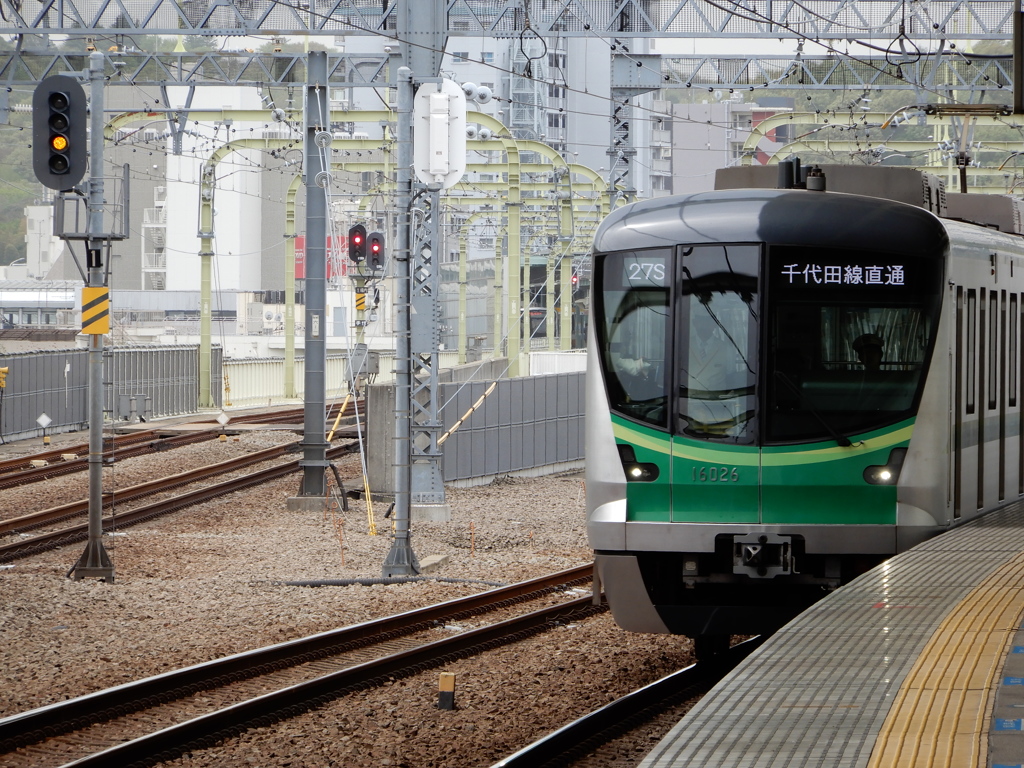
<point>763,555</point>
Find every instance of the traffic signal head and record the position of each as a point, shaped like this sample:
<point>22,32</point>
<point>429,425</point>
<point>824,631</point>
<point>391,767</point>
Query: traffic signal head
<point>3,376</point>
<point>375,249</point>
<point>357,243</point>
<point>59,115</point>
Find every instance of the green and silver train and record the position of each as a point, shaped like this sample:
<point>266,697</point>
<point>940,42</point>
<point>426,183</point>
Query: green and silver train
<point>788,386</point>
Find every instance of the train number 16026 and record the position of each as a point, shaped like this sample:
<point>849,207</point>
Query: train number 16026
<point>716,475</point>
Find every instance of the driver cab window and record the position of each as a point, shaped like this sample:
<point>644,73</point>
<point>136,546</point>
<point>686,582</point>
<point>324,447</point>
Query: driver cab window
<point>718,343</point>
<point>635,297</point>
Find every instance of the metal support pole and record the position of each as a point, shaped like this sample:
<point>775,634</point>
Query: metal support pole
<point>463,282</point>
<point>1018,62</point>
<point>206,323</point>
<point>566,238</point>
<point>314,441</point>
<point>426,427</point>
<point>400,560</point>
<point>94,562</point>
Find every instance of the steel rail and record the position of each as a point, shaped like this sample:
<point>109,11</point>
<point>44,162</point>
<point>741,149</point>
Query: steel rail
<point>208,730</point>
<point>121,495</point>
<point>119,442</point>
<point>77,533</point>
<point>25,462</point>
<point>65,716</point>
<point>260,418</point>
<point>627,712</point>
<point>80,464</point>
<point>131,446</point>
<point>288,415</point>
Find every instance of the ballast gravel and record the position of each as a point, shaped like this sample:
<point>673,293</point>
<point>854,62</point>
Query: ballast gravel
<point>207,582</point>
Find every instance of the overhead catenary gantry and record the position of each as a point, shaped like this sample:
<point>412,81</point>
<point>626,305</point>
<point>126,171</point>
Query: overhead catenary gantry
<point>940,70</point>
<point>813,19</point>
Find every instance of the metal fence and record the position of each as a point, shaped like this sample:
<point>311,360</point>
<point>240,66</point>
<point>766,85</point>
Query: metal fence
<point>523,425</point>
<point>260,381</point>
<point>156,381</point>
<point>138,381</point>
<point>527,425</point>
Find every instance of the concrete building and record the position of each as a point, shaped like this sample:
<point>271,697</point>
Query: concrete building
<point>711,135</point>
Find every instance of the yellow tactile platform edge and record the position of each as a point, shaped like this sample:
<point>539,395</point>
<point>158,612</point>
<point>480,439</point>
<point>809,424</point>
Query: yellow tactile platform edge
<point>943,711</point>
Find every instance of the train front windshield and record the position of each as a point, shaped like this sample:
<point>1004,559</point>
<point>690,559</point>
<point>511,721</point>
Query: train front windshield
<point>850,335</point>
<point>842,347</point>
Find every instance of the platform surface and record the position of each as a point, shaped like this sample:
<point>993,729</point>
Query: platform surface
<point>919,662</point>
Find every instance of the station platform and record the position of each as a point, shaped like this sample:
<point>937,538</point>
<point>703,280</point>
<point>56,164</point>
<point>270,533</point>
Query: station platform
<point>919,662</point>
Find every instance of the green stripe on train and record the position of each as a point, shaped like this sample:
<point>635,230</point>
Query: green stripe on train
<point>819,483</point>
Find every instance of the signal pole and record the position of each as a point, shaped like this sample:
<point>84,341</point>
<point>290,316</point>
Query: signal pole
<point>94,562</point>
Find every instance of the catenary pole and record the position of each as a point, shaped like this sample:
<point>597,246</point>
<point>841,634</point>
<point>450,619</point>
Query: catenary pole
<point>314,441</point>
<point>400,560</point>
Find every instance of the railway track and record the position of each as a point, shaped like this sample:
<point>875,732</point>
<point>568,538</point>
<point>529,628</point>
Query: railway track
<point>73,509</point>
<point>149,442</point>
<point>79,532</point>
<point>18,463</point>
<point>21,471</point>
<point>591,734</point>
<point>161,717</point>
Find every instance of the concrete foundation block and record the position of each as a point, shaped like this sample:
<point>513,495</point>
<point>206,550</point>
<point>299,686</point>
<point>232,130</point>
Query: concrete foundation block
<point>432,563</point>
<point>430,513</point>
<point>307,504</point>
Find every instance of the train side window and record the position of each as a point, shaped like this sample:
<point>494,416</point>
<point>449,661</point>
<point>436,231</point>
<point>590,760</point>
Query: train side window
<point>1011,385</point>
<point>971,351</point>
<point>993,349</point>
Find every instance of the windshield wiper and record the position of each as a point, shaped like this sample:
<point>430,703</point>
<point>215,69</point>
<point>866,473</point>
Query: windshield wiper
<point>841,439</point>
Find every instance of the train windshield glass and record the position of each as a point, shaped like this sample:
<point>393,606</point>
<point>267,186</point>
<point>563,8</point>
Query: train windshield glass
<point>634,296</point>
<point>718,342</point>
<point>849,337</point>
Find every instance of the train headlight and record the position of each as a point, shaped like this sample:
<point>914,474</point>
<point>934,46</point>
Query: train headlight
<point>636,471</point>
<point>888,473</point>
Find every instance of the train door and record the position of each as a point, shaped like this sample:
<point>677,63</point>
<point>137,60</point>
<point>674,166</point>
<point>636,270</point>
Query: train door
<point>715,458</point>
<point>1016,374</point>
<point>956,381</point>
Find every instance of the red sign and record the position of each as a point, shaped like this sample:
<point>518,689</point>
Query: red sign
<point>337,263</point>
